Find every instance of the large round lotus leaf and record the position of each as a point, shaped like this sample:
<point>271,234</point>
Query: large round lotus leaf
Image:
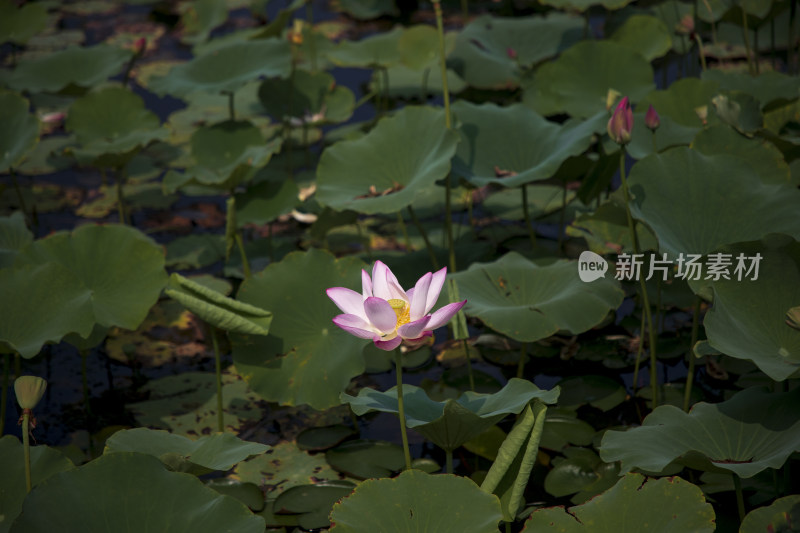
<point>606,230</point>
<point>583,5</point>
<point>512,146</point>
<point>45,462</point>
<point>307,97</point>
<point>668,134</point>
<point>696,203</point>
<point>578,82</point>
<point>766,87</point>
<point>112,121</point>
<point>19,130</point>
<point>220,451</point>
<point>227,68</point>
<point>285,466</point>
<point>420,502</point>
<point>50,301</point>
<point>383,172</point>
<point>680,100</point>
<point>780,515</point>
<point>14,236</point>
<point>451,423</point>
<point>311,504</point>
<point>751,432</point>
<point>529,302</point>
<point>131,492</point>
<point>481,52</point>
<point>379,50</point>
<point>634,504</point>
<point>364,459</point>
<point>761,155</point>
<point>581,471</point>
<point>17,25</point>
<point>646,35</point>
<point>747,320</point>
<point>264,202</point>
<point>186,404</point>
<point>305,359</point>
<point>121,271</point>
<point>217,309</point>
<point>84,67</point>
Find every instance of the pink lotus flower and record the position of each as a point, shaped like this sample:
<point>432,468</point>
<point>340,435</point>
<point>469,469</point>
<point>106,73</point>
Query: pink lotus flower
<point>621,122</point>
<point>651,118</point>
<point>387,314</point>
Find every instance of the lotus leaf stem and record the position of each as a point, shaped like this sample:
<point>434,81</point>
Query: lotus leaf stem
<point>642,286</point>
<point>424,235</point>
<point>737,484</point>
<point>404,231</point>
<point>218,369</point>
<point>639,351</point>
<point>561,218</point>
<point>245,262</point>
<point>469,366</point>
<point>746,35</point>
<point>401,413</point>
<point>448,457</point>
<point>20,197</point>
<point>527,214</point>
<point>26,446</point>
<point>687,393</point>
<point>85,383</point>
<point>523,358</point>
<point>312,46</point>
<point>4,399</point>
<point>121,179</point>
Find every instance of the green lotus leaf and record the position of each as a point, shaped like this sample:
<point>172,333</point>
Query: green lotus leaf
<point>580,471</point>
<point>767,87</point>
<point>583,5</point>
<point>265,201</point>
<point>364,459</point>
<point>84,67</point>
<point>186,404</point>
<point>318,439</point>
<point>247,493</point>
<point>606,230</point>
<point>378,50</point>
<point>481,54</point>
<point>405,82</point>
<point>578,82</point>
<point>227,68</point>
<point>747,434</point>
<point>17,25</point>
<point>220,451</point>
<point>681,99</point>
<point>451,423</point>
<point>285,466</point>
<point>368,9</point>
<point>633,504</point>
<point>761,155</point>
<point>542,200</point>
<point>195,251</point>
<point>313,503</point>
<point>393,171</point>
<point>112,121</point>
<point>679,195</point>
<point>496,141</point>
<point>200,18</point>
<point>308,98</point>
<point>747,320</point>
<point>668,134</point>
<point>14,236</point>
<point>645,34</point>
<point>562,428</point>
<point>120,270</point>
<point>217,309</point>
<point>416,501</point>
<point>419,47</point>
<point>601,392</point>
<point>529,302</point>
<point>671,12</point>
<point>780,515</point>
<point>305,359</point>
<point>131,492</point>
<point>45,462</point>
<point>19,130</point>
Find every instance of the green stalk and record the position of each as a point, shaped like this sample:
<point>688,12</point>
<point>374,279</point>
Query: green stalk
<point>737,484</point>
<point>448,208</point>
<point>465,11</point>
<point>642,286</point>
<point>523,358</point>
<point>422,232</point>
<point>123,219</point>
<point>312,46</point>
<point>404,231</point>
<point>218,368</point>
<point>746,35</point>
<point>85,382</point>
<point>527,214</point>
<point>639,351</point>
<point>448,457</point>
<point>19,196</point>
<point>26,446</point>
<point>245,262</point>
<point>400,409</point>
<point>231,108</point>
<point>655,144</point>
<point>4,399</point>
<point>561,218</point>
<point>690,374</point>
<point>469,366</point>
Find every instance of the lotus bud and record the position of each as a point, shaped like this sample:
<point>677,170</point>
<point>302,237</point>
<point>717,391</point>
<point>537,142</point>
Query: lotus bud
<point>511,53</point>
<point>55,117</point>
<point>651,119</point>
<point>620,124</point>
<point>29,390</point>
<point>139,46</point>
<point>702,114</point>
<point>611,97</point>
<point>296,33</point>
<point>685,26</point>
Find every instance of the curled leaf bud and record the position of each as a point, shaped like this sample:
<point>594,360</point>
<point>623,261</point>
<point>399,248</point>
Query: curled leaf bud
<point>620,124</point>
<point>29,390</point>
<point>651,118</point>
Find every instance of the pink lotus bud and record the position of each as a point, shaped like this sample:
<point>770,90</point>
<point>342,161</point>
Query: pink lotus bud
<point>686,25</point>
<point>139,46</point>
<point>511,53</point>
<point>55,117</point>
<point>621,122</point>
<point>651,119</point>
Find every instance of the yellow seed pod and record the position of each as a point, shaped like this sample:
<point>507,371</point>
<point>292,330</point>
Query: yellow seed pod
<point>29,390</point>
